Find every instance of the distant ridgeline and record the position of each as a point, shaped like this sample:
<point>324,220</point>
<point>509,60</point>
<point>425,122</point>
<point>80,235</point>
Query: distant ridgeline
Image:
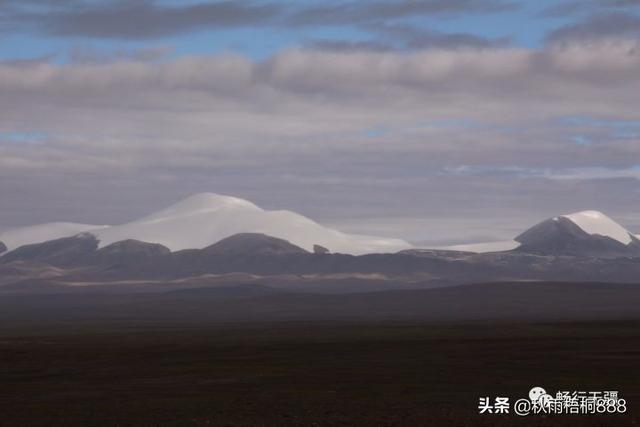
<point>212,234</point>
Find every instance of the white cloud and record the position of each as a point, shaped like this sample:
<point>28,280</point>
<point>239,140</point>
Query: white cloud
<point>298,131</point>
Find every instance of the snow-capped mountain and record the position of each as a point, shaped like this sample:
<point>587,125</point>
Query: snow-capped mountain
<point>586,246</point>
<point>204,219</point>
<point>597,223</point>
<point>586,233</point>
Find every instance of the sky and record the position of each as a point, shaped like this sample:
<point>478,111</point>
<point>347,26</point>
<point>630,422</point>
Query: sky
<point>436,121</point>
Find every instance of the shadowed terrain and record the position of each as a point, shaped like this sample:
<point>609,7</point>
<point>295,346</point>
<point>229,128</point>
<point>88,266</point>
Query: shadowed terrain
<point>255,355</point>
<point>323,374</point>
<point>246,302</point>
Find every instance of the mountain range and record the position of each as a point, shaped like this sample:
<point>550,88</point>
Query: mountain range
<point>203,219</point>
<point>210,238</point>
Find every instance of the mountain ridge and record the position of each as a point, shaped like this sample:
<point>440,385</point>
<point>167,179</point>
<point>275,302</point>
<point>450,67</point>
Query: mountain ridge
<point>596,232</point>
<point>204,219</point>
<point>585,233</point>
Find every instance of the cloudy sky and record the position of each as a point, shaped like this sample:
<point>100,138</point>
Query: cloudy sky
<point>438,121</point>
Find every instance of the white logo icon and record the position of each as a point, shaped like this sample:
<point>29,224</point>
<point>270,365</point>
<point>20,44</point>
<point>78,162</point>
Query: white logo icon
<point>539,396</point>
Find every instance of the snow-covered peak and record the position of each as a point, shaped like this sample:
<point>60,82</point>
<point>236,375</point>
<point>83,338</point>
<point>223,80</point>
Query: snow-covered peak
<point>204,219</point>
<point>201,203</point>
<point>545,238</point>
<point>594,222</point>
